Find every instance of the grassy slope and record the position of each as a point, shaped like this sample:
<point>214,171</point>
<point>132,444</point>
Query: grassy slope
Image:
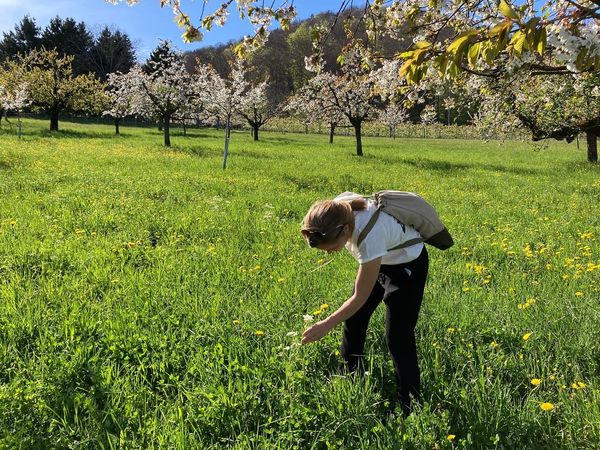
<point>123,267</point>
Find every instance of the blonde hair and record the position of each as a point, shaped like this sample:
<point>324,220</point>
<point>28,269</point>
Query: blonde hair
<point>326,216</point>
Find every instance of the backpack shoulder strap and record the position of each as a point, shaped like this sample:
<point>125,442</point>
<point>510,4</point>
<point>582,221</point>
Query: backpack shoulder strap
<point>368,227</point>
<point>406,244</point>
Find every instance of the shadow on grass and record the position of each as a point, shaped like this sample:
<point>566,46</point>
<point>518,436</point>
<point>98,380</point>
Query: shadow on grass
<point>201,152</point>
<point>6,164</point>
<point>253,154</point>
<point>430,164</point>
<point>328,184</point>
<point>280,140</point>
<point>178,134</point>
<point>582,166</point>
<point>67,134</point>
<point>454,167</point>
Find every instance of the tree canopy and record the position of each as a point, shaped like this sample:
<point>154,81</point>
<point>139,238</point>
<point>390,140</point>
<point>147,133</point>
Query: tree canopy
<point>108,51</point>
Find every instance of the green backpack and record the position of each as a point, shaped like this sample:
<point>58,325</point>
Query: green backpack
<point>412,210</point>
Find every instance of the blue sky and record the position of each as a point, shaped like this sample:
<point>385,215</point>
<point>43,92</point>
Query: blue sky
<point>145,23</point>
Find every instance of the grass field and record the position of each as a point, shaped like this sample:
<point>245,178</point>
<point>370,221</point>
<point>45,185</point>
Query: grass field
<point>147,296</point>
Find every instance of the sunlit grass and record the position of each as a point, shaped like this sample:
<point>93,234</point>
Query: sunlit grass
<point>151,299</point>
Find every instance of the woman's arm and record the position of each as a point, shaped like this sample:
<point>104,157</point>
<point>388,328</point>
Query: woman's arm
<point>365,280</point>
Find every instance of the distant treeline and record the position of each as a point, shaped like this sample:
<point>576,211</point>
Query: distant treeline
<point>100,53</point>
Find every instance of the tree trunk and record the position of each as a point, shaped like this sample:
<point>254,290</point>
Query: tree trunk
<point>19,124</point>
<point>255,131</point>
<point>160,125</point>
<point>1,114</point>
<point>166,127</point>
<point>117,120</point>
<point>331,132</point>
<point>357,134</point>
<point>592,145</point>
<point>226,152</point>
<point>184,128</point>
<point>54,120</point>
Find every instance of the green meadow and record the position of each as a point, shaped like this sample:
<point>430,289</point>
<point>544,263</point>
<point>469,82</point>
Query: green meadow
<point>149,299</point>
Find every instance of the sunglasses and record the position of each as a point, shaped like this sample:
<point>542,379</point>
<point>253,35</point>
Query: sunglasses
<point>319,236</point>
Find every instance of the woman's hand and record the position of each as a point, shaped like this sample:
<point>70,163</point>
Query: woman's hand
<point>316,332</point>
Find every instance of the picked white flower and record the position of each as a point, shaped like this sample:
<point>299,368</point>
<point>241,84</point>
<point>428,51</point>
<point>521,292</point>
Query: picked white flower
<point>307,317</point>
<point>292,334</point>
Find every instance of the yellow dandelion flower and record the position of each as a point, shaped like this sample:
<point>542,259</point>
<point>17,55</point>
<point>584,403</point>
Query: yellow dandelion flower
<point>466,289</point>
<point>535,381</point>
<point>581,384</point>
<point>280,280</point>
<point>579,294</point>
<point>526,336</point>
<point>494,344</point>
<point>236,322</point>
<point>324,306</point>
<point>317,312</point>
<point>337,353</point>
<point>451,437</point>
<point>450,330</point>
<point>259,333</point>
<point>552,377</point>
<point>546,406</point>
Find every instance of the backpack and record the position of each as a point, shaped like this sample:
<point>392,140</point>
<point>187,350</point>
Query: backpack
<point>410,209</point>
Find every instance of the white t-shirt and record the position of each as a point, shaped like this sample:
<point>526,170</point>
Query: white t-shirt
<point>386,233</point>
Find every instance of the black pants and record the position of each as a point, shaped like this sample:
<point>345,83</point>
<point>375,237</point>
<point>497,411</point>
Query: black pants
<point>401,287</point>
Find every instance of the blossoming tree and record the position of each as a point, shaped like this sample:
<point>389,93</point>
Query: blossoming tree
<point>452,35</point>
<point>161,92</point>
<point>548,106</point>
<point>13,91</point>
<point>256,107</point>
<point>315,105</point>
<point>393,115</point>
<point>122,97</point>
<point>351,93</point>
<point>222,96</point>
